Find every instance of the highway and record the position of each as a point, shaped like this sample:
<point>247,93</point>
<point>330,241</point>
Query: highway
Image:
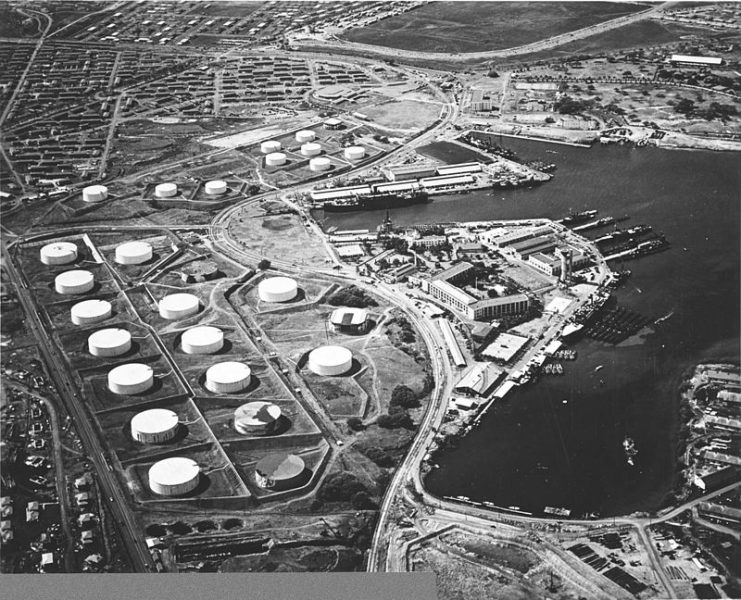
<point>118,498</point>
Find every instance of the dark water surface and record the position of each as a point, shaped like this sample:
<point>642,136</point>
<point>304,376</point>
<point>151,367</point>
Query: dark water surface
<point>532,449</point>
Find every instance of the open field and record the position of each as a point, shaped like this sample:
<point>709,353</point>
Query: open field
<point>406,115</point>
<point>475,26</point>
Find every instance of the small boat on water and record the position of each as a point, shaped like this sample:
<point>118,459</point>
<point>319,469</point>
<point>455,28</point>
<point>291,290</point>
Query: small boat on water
<point>630,450</point>
<point>599,368</point>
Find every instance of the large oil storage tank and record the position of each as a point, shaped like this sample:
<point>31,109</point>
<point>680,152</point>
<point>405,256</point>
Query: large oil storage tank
<point>174,476</point>
<point>166,190</point>
<point>275,159</point>
<point>307,135</point>
<point>74,282</point>
<point>59,253</point>
<point>319,164</point>
<point>217,187</point>
<point>132,378</point>
<point>109,342</point>
<point>330,360</point>
<point>280,471</point>
<point>311,149</point>
<point>228,377</point>
<point>277,289</point>
<point>178,306</point>
<point>94,193</point>
<point>257,418</point>
<point>203,339</point>
<point>270,146</point>
<point>90,311</point>
<point>354,153</point>
<point>154,426</point>
<point>133,253</point>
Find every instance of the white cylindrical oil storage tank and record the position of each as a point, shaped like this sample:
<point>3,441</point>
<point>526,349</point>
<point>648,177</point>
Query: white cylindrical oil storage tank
<point>59,253</point>
<point>354,153</point>
<point>307,135</point>
<point>216,187</point>
<point>275,159</point>
<point>90,311</point>
<point>74,282</point>
<point>279,471</point>
<point>109,342</point>
<point>132,378</point>
<point>228,377</point>
<point>94,193</point>
<point>277,289</point>
<point>174,476</point>
<point>133,253</point>
<point>178,306</point>
<point>270,146</point>
<point>321,163</point>
<point>166,190</point>
<point>202,340</point>
<point>330,360</point>
<point>257,418</point>
<point>154,426</point>
<point>311,149</point>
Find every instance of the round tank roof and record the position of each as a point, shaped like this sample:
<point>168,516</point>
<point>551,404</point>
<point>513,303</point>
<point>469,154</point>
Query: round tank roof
<point>74,278</point>
<point>257,413</point>
<point>155,420</point>
<point>130,374</point>
<point>175,471</point>
<point>109,338</point>
<point>91,309</point>
<point>60,250</point>
<point>330,356</point>
<point>228,372</point>
<point>280,466</point>
<point>137,251</point>
<point>177,302</point>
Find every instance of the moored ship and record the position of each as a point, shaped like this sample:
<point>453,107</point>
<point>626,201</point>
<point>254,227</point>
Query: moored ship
<point>376,201</point>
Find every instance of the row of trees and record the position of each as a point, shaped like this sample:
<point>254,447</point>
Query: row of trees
<point>353,297</point>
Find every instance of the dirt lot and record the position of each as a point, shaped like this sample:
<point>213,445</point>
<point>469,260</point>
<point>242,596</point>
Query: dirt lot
<point>404,115</point>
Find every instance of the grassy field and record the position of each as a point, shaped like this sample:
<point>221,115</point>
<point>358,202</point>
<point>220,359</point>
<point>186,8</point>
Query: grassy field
<point>450,153</point>
<point>403,114</point>
<point>478,26</point>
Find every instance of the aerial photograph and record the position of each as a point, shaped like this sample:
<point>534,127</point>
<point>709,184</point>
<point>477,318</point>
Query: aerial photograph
<point>426,287</point>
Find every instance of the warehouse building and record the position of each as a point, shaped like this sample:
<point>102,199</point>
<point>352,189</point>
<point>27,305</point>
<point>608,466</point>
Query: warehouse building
<point>480,380</point>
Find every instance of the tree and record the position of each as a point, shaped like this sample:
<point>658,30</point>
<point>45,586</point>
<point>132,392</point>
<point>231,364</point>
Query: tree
<point>361,501</point>
<point>396,420</point>
<point>404,396</point>
<point>355,423</point>
<point>685,106</point>
<point>264,264</point>
<point>340,486</point>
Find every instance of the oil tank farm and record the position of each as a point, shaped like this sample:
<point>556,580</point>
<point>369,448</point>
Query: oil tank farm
<point>94,193</point>
<point>354,153</point>
<point>154,426</point>
<point>166,190</point>
<point>311,149</point>
<point>319,164</point>
<point>133,253</point>
<point>59,253</point>
<point>74,282</point>
<point>178,306</point>
<point>132,378</point>
<point>217,187</point>
<point>277,289</point>
<point>109,342</point>
<point>203,339</point>
<point>349,320</point>
<point>275,159</point>
<point>90,311</point>
<point>280,471</point>
<point>257,418</point>
<point>174,476</point>
<point>270,146</point>
<point>330,360</point>
<point>307,135</point>
<point>228,377</point>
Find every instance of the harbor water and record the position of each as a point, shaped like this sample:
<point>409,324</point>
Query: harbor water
<point>559,442</point>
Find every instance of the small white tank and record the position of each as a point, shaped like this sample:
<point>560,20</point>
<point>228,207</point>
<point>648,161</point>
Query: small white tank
<point>270,146</point>
<point>228,377</point>
<point>166,190</point>
<point>174,476</point>
<point>202,340</point>
<point>216,187</point>
<point>354,153</point>
<point>275,159</point>
<point>132,378</point>
<point>154,426</point>
<point>59,253</point>
<point>133,253</point>
<point>178,306</point>
<point>307,135</point>
<point>320,163</point>
<point>109,342</point>
<point>74,282</point>
<point>311,149</point>
<point>90,311</point>
<point>94,193</point>
<point>277,289</point>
